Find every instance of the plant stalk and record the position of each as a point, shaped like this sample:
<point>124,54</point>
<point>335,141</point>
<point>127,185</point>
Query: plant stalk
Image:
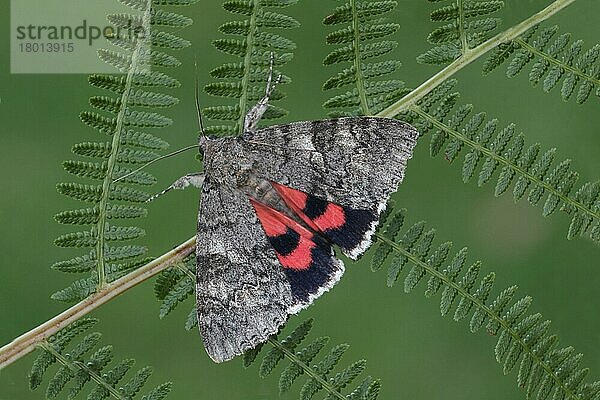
<point>27,342</point>
<point>471,55</point>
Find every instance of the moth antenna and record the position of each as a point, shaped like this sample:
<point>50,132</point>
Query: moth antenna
<point>197,99</point>
<point>157,195</point>
<point>270,85</point>
<point>196,180</point>
<point>270,75</point>
<point>195,146</point>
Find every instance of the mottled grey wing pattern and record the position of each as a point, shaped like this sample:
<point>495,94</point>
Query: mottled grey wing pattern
<point>355,162</point>
<point>242,293</point>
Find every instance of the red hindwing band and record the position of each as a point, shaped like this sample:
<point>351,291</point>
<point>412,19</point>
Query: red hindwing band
<point>307,259</point>
<point>292,242</point>
<point>347,227</point>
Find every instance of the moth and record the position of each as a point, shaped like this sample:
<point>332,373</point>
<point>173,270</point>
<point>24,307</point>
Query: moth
<point>275,203</point>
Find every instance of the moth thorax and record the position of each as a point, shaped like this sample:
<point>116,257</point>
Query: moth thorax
<point>263,191</point>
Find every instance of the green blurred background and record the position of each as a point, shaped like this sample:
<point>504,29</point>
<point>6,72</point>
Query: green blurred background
<point>417,354</point>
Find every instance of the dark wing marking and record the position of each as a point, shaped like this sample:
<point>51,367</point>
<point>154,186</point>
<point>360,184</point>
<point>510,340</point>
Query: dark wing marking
<point>347,227</point>
<point>307,259</point>
<point>243,295</point>
<point>356,163</point>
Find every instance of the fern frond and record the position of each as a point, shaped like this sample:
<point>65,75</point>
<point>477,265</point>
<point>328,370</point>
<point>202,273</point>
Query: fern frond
<point>96,171</point>
<point>138,98</point>
<point>523,337</point>
<point>245,80</point>
<point>93,194</point>
<point>82,288</point>
<point>319,375</point>
<point>141,4</point>
<point>556,58</point>
<point>117,84</point>
<point>158,17</point>
<point>89,216</point>
<point>467,24</point>
<point>104,150</point>
<point>181,291</point>
<point>128,137</point>
<point>78,368</point>
<point>87,262</point>
<point>175,285</point>
<point>362,42</point>
<point>533,171</point>
<point>127,104</point>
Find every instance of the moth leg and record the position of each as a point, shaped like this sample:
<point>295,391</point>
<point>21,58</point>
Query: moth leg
<point>255,114</point>
<point>195,179</point>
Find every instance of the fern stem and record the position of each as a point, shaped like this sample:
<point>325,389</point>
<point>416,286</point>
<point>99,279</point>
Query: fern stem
<point>360,82</point>
<point>308,370</point>
<point>416,260</point>
<point>186,271</point>
<point>115,146</point>
<point>27,342</point>
<point>247,66</point>
<point>98,379</point>
<point>76,366</point>
<point>557,62</point>
<point>461,26</point>
<point>506,162</point>
<point>50,349</point>
<point>471,55</point>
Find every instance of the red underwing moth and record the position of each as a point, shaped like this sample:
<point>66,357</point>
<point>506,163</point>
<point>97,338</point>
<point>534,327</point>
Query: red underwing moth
<point>274,204</point>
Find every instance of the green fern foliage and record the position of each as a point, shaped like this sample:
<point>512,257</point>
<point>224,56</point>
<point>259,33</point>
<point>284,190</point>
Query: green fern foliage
<point>252,41</point>
<point>545,370</point>
<point>535,173</point>
<point>319,374</point>
<point>465,25</point>
<point>174,286</point>
<point>555,59</point>
<point>119,115</point>
<point>87,364</point>
<point>361,39</point>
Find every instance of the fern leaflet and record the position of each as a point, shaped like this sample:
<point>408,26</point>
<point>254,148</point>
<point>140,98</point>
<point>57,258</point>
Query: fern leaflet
<point>175,285</point>
<point>245,80</point>
<point>362,40</point>
<point>319,375</point>
<point>118,117</point>
<point>78,367</point>
<point>556,58</point>
<point>467,24</point>
<point>545,369</point>
<point>534,171</point>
